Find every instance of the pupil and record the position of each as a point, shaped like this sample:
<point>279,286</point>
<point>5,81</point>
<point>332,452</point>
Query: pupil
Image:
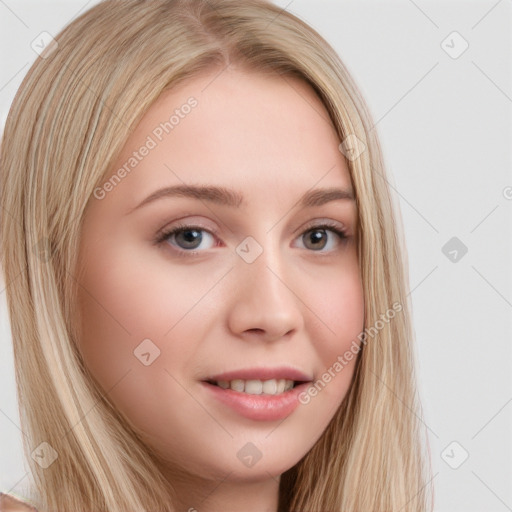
<point>191,236</point>
<point>316,236</point>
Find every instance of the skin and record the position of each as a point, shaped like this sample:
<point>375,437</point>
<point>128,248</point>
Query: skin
<point>296,304</point>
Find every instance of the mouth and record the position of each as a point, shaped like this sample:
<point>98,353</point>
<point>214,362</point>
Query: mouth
<point>258,387</point>
<point>271,399</point>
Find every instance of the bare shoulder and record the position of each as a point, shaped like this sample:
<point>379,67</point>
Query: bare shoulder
<point>9,503</point>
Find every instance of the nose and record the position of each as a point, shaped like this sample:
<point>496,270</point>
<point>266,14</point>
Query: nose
<point>265,305</point>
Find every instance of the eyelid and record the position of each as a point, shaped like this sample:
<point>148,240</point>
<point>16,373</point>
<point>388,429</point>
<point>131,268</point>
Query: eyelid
<point>166,230</point>
<point>318,223</point>
<point>338,228</point>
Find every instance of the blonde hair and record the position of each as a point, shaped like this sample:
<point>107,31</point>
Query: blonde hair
<point>67,124</point>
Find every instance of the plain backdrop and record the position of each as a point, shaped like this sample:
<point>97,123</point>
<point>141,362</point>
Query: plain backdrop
<point>437,79</point>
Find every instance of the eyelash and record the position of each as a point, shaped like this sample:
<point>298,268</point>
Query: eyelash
<point>163,235</point>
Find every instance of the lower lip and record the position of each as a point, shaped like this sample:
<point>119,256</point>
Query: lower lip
<point>259,407</point>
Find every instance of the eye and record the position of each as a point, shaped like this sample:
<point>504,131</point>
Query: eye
<point>316,237</point>
<point>188,238</point>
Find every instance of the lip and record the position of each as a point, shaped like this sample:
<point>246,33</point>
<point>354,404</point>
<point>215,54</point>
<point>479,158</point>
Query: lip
<point>267,373</point>
<point>258,407</point>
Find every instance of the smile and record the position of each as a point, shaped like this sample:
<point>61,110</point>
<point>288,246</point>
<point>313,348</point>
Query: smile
<point>257,406</point>
<point>257,387</point>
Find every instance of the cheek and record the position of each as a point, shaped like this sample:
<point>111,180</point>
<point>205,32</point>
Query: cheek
<point>336,327</point>
<point>126,298</point>
<point>127,309</point>
<point>337,301</point>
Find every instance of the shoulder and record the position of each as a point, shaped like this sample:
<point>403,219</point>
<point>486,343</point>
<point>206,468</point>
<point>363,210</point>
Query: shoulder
<point>9,503</point>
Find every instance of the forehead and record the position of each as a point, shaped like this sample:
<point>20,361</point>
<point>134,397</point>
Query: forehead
<point>263,134</point>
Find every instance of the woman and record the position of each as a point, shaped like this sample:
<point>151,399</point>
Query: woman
<point>264,370</point>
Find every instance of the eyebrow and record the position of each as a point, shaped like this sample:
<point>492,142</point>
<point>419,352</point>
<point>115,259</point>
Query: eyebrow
<point>232,198</point>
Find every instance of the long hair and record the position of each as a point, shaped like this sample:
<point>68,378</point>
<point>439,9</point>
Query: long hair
<point>70,118</point>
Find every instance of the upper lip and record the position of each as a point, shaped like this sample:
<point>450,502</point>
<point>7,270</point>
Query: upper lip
<point>267,373</point>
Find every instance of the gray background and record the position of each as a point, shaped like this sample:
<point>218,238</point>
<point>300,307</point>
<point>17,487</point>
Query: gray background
<point>445,124</point>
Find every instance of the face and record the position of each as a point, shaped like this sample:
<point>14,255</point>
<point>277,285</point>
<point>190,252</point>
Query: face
<point>242,283</point>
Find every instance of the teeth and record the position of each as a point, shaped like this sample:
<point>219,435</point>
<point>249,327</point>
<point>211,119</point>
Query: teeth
<point>269,387</point>
<point>237,385</point>
<point>253,387</point>
<point>258,387</point>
